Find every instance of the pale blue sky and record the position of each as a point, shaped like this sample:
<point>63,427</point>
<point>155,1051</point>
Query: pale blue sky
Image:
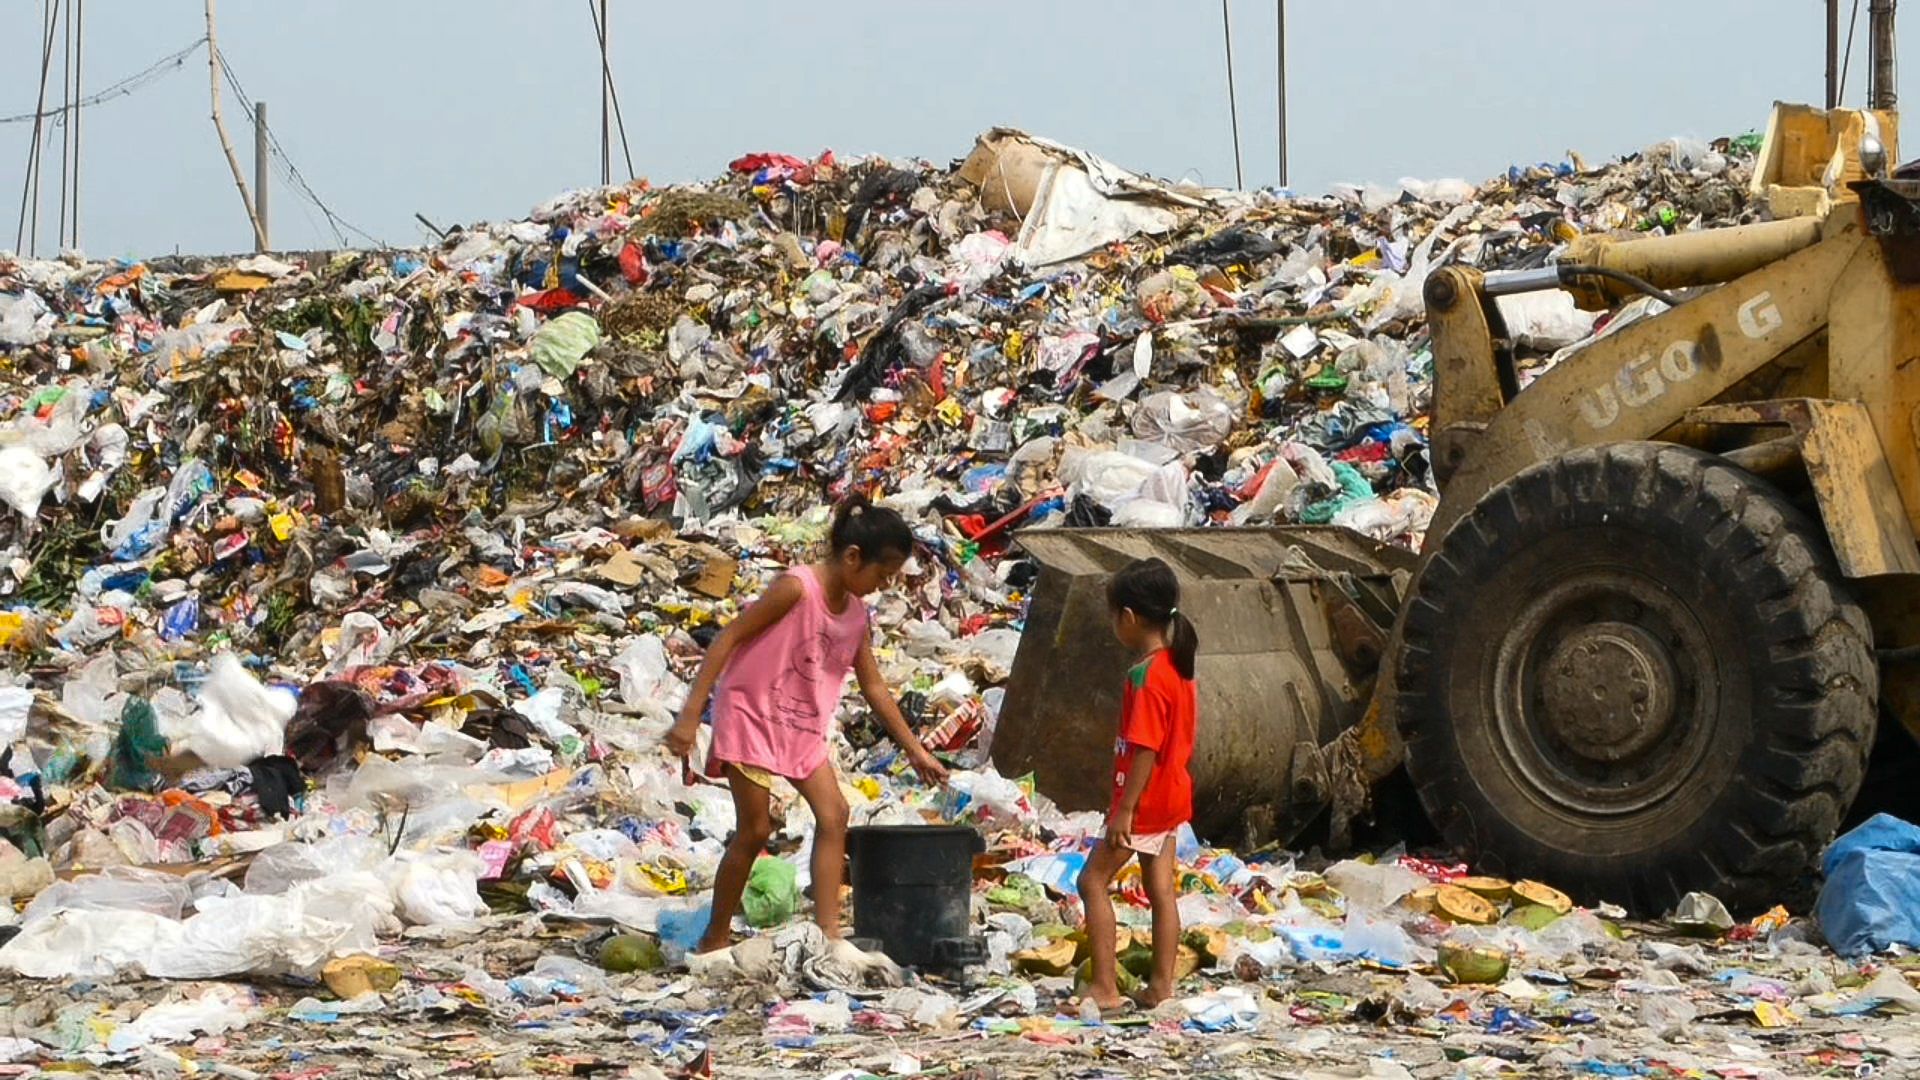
<point>475,109</point>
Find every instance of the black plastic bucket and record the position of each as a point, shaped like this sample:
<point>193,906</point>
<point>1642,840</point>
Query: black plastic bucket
<point>912,887</point>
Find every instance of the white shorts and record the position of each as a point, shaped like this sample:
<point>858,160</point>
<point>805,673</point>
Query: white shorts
<point>1153,845</point>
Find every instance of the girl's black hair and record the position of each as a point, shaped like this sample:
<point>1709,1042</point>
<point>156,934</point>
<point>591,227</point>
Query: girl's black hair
<point>1148,588</point>
<point>877,531</point>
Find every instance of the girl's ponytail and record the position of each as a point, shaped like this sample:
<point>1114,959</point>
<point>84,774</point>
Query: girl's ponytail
<point>1148,588</point>
<point>1182,644</point>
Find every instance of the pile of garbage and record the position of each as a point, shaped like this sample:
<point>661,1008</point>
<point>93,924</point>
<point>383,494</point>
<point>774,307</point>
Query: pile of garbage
<point>349,595</point>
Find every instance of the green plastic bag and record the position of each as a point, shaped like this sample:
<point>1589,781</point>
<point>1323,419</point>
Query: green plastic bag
<point>560,345</point>
<point>773,893</point>
<point>137,747</point>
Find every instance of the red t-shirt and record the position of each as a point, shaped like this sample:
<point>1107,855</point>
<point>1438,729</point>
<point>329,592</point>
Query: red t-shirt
<point>1157,713</point>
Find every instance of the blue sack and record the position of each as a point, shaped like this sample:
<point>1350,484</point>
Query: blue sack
<point>1871,899</point>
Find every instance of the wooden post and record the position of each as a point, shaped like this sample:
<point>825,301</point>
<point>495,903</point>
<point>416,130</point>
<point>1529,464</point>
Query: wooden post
<point>226,144</point>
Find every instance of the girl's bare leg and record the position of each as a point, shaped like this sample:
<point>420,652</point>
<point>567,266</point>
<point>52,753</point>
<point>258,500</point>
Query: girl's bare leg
<point>753,826</point>
<point>1096,878</point>
<point>830,814</point>
<point>1159,872</point>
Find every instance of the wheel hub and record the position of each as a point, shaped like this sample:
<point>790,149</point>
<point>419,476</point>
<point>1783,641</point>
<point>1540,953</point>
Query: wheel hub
<point>1607,691</point>
<point>1606,680</point>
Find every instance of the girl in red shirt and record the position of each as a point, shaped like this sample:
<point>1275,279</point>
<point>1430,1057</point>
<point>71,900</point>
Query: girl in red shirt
<point>1152,792</point>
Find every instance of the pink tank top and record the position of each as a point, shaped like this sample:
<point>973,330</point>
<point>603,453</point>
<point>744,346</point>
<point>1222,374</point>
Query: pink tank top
<point>774,705</point>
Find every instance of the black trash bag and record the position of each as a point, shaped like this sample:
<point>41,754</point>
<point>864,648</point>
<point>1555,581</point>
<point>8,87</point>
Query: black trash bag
<point>329,724</point>
<point>886,350</point>
<point>1235,245</point>
<point>276,780</point>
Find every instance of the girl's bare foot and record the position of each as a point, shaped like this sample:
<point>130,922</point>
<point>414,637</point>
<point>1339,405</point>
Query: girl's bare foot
<point>1155,995</point>
<point>711,944</point>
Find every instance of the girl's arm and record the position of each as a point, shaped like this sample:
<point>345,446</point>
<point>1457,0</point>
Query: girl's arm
<point>873,687</point>
<point>1120,826</point>
<point>762,613</point>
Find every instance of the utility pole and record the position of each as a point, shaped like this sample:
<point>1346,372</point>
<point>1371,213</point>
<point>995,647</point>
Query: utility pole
<point>606,93</point>
<point>67,108</point>
<point>1233,103</point>
<point>1282,4</point>
<point>226,144</point>
<point>1880,91</point>
<point>1833,54</point>
<point>79,50</point>
<point>260,176</point>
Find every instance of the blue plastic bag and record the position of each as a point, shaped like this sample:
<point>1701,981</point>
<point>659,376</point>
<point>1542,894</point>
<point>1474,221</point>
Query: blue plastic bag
<point>1871,898</point>
<point>682,929</point>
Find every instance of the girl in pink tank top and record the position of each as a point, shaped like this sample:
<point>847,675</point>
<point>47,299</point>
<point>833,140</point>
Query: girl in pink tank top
<point>774,678</point>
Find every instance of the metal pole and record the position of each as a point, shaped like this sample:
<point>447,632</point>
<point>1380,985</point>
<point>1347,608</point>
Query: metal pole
<point>1833,54</point>
<point>263,240</point>
<point>1283,90</point>
<point>30,205</point>
<point>79,49</point>
<point>66,126</point>
<point>1881,94</point>
<point>1233,104</point>
<point>606,91</point>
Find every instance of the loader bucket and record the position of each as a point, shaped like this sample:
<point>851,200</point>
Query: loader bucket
<point>1291,622</point>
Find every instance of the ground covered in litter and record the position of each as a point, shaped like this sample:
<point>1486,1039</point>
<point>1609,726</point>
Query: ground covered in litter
<point>346,598</point>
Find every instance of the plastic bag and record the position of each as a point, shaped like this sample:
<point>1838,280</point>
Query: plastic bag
<point>1230,1008</point>
<point>135,534</point>
<point>279,868</point>
<point>560,345</point>
<point>216,1011</point>
<point>363,641</point>
<point>24,319</point>
<point>1189,423</point>
<point>773,893</point>
<point>681,928</point>
<point>1372,886</point>
<point>1545,320</point>
<point>645,678</point>
<point>16,704</point>
<point>118,888</point>
<point>181,347</point>
<point>1870,901</point>
<point>438,888</point>
<point>137,748</point>
<point>25,478</point>
<point>239,722</point>
<point>93,696</point>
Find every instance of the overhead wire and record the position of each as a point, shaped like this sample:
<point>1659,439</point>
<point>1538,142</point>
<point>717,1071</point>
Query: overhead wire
<point>1233,101</point>
<point>612,91</point>
<point>128,85</point>
<point>291,172</point>
<point>1846,60</point>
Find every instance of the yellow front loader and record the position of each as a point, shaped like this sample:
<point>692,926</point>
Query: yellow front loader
<point>1670,587</point>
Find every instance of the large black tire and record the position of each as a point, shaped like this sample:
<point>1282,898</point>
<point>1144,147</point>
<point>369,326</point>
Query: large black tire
<point>1634,671</point>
